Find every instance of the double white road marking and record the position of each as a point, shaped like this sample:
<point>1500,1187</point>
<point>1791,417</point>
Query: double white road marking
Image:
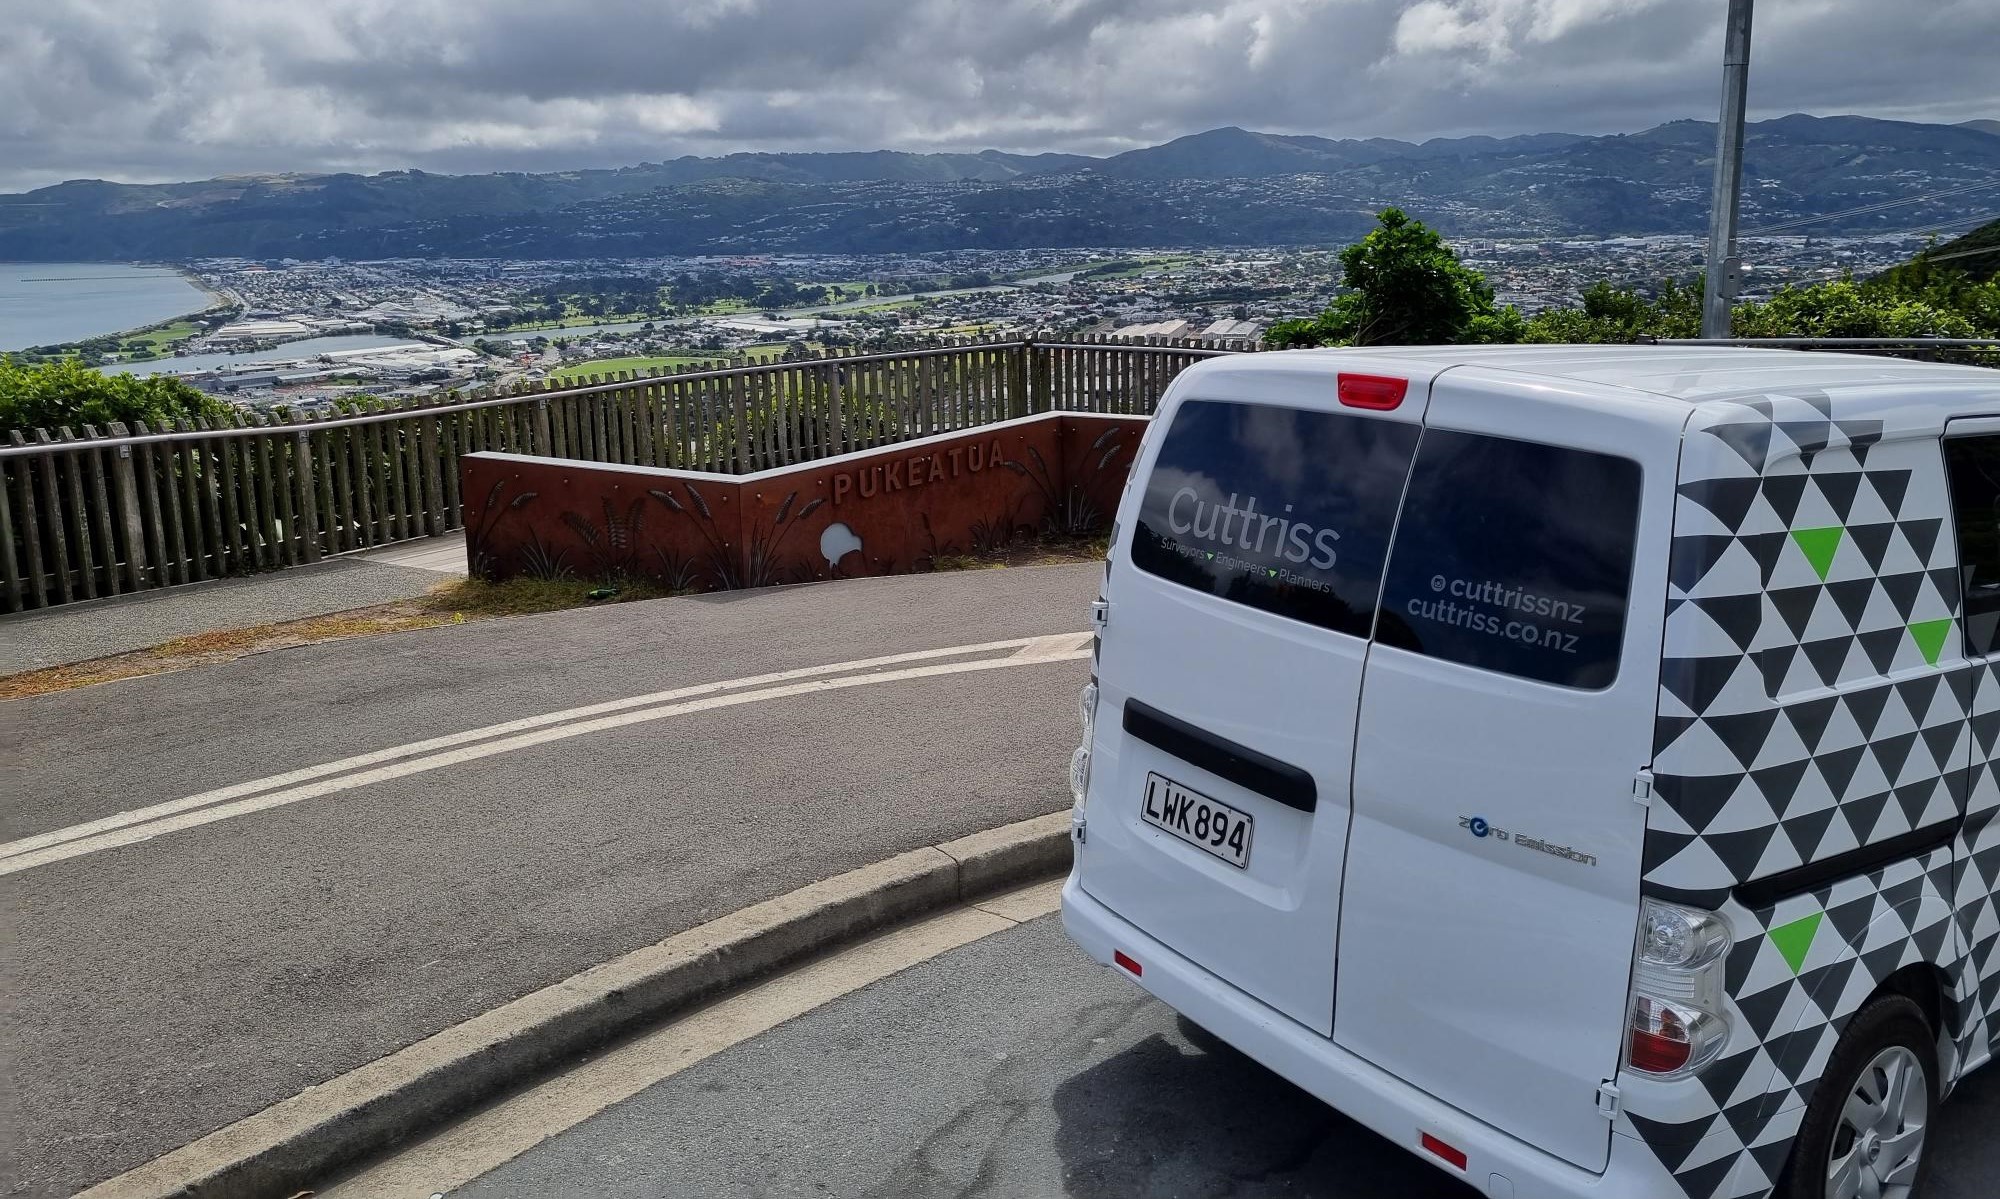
<point>436,753</point>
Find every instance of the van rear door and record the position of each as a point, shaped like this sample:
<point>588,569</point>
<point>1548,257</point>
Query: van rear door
<point>1493,868</point>
<point>1230,664</point>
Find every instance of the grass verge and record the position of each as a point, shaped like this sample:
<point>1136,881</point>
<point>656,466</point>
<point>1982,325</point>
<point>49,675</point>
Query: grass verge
<point>456,602</point>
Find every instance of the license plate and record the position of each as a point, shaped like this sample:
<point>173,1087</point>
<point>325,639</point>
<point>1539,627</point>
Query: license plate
<point>1207,824</point>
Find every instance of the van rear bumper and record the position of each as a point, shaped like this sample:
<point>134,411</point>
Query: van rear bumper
<point>1497,1164</point>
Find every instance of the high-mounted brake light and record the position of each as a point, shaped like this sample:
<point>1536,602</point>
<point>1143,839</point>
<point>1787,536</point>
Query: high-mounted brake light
<point>1380,392</point>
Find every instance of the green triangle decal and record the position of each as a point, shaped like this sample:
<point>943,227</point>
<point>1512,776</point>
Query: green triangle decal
<point>1272,573</point>
<point>1819,545</point>
<point>1794,939</point>
<point>1211,555</point>
<point>1930,635</point>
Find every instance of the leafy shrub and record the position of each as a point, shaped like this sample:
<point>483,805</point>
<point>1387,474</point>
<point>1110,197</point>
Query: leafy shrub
<point>68,393</point>
<point>1406,288</point>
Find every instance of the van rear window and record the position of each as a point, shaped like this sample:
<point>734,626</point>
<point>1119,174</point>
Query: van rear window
<point>1514,556</point>
<point>1283,509</point>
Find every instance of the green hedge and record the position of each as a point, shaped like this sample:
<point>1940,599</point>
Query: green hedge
<point>67,393</point>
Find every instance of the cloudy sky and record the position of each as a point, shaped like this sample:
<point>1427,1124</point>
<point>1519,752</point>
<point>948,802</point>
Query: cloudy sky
<point>181,89</point>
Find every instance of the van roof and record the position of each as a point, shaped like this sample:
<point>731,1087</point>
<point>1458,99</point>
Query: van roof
<point>1687,374</point>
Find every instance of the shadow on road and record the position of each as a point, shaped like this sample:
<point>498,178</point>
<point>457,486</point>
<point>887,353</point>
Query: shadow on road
<point>1189,1116</point>
<point>1967,1165</point>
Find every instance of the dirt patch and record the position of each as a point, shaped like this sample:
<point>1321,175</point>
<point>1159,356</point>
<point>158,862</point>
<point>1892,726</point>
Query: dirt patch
<point>1050,550</point>
<point>456,602</point>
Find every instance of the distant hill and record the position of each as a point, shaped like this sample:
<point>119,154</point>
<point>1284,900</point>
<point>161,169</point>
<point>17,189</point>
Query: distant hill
<point>1222,187</point>
<point>1240,154</point>
<point>1976,254</point>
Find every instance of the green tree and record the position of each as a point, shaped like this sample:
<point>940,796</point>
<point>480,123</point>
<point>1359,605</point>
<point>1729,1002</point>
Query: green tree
<point>1405,287</point>
<point>1845,308</point>
<point>52,395</point>
<point>1896,304</point>
<point>1621,315</point>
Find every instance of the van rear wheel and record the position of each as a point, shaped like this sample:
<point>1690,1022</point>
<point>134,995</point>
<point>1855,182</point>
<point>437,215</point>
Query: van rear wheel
<point>1864,1131</point>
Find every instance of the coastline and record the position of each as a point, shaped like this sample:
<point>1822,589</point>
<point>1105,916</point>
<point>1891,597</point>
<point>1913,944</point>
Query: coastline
<point>212,302</point>
<point>215,298</point>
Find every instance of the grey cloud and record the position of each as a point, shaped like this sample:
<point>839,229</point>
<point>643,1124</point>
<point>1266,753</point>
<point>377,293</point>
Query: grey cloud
<point>153,89</point>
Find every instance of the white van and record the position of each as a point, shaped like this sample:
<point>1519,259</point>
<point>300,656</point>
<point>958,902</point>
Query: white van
<point>1576,764</point>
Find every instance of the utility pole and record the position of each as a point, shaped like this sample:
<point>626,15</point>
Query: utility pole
<point>1725,269</point>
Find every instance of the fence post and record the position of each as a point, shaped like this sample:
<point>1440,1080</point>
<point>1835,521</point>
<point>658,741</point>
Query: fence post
<point>1019,403</point>
<point>7,538</point>
<point>93,504</point>
<point>544,436</point>
<point>1024,358</point>
<point>739,403</point>
<point>158,516</point>
<point>59,537</point>
<point>836,437</point>
<point>310,478</point>
<point>24,481</point>
<point>432,472</point>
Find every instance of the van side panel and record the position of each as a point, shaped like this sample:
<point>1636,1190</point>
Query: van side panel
<point>1797,972</point>
<point>1977,900</point>
<point>1813,755</point>
<point>1813,690</point>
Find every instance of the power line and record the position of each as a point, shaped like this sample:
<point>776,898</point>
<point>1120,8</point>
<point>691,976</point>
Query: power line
<point>1828,274</point>
<point>1866,208</point>
<point>1943,225</point>
<point>1963,253</point>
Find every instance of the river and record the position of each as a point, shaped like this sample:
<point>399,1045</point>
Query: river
<point>51,303</point>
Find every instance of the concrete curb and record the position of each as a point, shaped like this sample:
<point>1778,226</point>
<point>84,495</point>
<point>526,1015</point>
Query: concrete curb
<point>296,1142</point>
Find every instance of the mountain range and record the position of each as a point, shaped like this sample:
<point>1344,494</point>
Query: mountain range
<point>1221,187</point>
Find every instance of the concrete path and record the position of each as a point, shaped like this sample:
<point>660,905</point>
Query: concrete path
<point>1009,1066</point>
<point>179,960</point>
<point>97,628</point>
<point>444,554</point>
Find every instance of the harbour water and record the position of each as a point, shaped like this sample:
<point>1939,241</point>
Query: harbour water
<point>50,303</point>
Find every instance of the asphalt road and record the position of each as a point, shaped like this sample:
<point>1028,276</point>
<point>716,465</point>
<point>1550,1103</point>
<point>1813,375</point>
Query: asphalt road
<point>156,991</point>
<point>1012,1067</point>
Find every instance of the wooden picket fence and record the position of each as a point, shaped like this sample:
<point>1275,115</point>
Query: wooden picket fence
<point>100,512</point>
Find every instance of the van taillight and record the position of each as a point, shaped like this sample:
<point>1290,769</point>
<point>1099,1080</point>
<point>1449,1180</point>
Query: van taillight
<point>1380,392</point>
<point>1677,1023</point>
<point>1127,962</point>
<point>1660,1040</point>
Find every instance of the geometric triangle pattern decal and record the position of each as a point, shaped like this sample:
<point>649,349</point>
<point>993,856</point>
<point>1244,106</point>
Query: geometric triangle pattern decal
<point>1815,698</point>
<point>1793,977</point>
<point>1794,940</point>
<point>1814,689</point>
<point>1977,900</point>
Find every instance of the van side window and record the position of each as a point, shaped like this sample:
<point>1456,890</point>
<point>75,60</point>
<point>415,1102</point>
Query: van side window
<point>1972,464</point>
<point>1514,556</point>
<point>1282,509</point>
